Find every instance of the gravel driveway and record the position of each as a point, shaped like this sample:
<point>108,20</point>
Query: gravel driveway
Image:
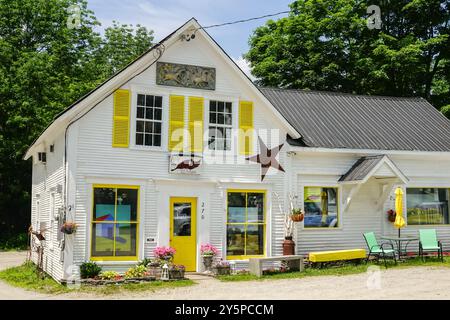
<point>407,283</point>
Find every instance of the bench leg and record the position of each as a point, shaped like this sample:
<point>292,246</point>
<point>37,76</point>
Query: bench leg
<point>255,267</point>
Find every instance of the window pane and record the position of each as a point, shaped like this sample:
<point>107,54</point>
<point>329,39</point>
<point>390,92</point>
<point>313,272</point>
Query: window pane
<point>220,106</point>
<point>212,106</point>
<point>321,209</point>
<point>236,207</point>
<point>158,102</point>
<point>255,240</point>
<point>427,206</point>
<point>148,139</point>
<point>220,144</point>
<point>255,207</point>
<point>212,117</point>
<point>235,240</point>
<point>126,239</point>
<point>148,127</point>
<point>181,219</point>
<point>227,144</point>
<point>102,239</point>
<point>149,101</point>
<point>228,107</point>
<point>157,127</point>
<point>220,118</point>
<point>139,139</point>
<point>141,100</point>
<point>140,113</point>
<point>139,126</point>
<point>127,202</point>
<point>104,199</point>
<point>149,113</point>
<point>157,140</point>
<point>158,114</point>
<point>228,119</point>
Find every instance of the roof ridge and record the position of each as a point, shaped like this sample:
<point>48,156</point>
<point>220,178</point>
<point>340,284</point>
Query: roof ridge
<point>334,93</point>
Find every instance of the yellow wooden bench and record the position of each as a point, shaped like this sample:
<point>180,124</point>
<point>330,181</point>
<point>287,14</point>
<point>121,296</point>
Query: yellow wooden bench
<point>338,255</point>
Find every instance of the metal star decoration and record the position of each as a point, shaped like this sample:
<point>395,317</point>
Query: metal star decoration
<point>266,158</point>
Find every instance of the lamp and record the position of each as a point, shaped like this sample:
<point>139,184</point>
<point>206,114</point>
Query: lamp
<point>165,272</point>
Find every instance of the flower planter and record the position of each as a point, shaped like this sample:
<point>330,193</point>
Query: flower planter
<point>176,274</point>
<point>155,272</point>
<point>288,247</point>
<point>220,271</point>
<point>207,262</point>
<point>297,217</point>
<point>68,228</point>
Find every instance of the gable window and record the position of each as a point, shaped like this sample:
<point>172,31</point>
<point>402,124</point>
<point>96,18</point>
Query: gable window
<point>427,206</point>
<point>321,207</point>
<point>115,221</point>
<point>148,120</point>
<point>246,223</point>
<point>220,125</point>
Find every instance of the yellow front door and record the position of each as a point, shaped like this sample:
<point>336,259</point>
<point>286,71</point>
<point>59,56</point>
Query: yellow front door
<point>183,214</point>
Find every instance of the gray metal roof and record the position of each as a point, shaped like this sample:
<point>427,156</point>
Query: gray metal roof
<point>361,168</point>
<point>337,120</point>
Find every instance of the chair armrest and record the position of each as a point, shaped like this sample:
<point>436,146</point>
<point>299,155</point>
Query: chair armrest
<point>387,243</point>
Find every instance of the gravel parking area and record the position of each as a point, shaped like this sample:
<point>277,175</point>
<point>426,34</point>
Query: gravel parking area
<point>398,283</point>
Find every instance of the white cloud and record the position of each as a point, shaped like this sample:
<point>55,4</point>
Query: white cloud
<point>245,66</point>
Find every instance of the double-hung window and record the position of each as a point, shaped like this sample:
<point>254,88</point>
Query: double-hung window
<point>220,125</point>
<point>148,120</point>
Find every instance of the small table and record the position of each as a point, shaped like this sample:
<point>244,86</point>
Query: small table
<point>398,240</point>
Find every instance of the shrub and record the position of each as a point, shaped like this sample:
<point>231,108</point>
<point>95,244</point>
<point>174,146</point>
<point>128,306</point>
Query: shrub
<point>146,262</point>
<point>110,275</point>
<point>138,271</point>
<point>89,270</point>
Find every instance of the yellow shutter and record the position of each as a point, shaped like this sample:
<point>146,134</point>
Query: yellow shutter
<point>245,127</point>
<point>176,123</point>
<point>196,123</point>
<point>121,119</point>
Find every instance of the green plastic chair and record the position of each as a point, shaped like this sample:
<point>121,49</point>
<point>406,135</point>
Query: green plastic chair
<point>378,250</point>
<point>428,242</point>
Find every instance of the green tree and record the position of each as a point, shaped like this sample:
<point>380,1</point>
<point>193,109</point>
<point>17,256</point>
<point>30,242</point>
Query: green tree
<point>327,45</point>
<point>44,67</point>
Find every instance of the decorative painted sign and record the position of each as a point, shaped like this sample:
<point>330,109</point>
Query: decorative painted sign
<point>184,163</point>
<point>267,158</point>
<point>183,75</point>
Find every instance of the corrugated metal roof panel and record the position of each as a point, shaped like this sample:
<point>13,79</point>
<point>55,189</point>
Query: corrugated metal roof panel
<point>337,120</point>
<point>361,168</point>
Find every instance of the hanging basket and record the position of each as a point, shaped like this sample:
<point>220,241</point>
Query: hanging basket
<point>391,215</point>
<point>69,227</point>
<point>297,215</point>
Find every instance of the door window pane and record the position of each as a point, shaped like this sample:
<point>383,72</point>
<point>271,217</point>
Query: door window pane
<point>182,215</point>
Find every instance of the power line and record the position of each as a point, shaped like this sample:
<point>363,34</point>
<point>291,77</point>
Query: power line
<point>244,20</point>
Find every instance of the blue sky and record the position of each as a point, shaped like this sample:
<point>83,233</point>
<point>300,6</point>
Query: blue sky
<point>165,16</point>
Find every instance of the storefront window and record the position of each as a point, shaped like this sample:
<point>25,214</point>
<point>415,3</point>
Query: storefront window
<point>115,223</point>
<point>245,224</point>
<point>321,207</point>
<point>427,206</point>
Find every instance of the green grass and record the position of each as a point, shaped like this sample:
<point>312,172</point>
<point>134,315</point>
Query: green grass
<point>26,276</point>
<point>346,269</point>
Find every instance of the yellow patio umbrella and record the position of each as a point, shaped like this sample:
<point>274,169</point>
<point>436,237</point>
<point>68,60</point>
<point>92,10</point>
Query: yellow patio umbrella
<point>399,221</point>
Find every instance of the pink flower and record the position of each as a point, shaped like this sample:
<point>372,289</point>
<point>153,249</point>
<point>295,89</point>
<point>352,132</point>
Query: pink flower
<point>164,253</point>
<point>208,250</point>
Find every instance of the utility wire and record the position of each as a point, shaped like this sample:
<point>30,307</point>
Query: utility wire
<point>244,20</point>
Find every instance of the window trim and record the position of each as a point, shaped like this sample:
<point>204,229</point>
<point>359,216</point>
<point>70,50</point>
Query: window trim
<point>138,223</point>
<point>405,209</point>
<point>246,257</point>
<point>208,124</point>
<point>338,207</point>
<point>164,119</point>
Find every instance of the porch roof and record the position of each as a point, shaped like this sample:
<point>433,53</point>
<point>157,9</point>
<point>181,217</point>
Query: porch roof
<point>368,166</point>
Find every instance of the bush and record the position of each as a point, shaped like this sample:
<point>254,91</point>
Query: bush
<point>145,262</point>
<point>138,271</point>
<point>89,270</point>
<point>110,275</point>
<point>14,242</point>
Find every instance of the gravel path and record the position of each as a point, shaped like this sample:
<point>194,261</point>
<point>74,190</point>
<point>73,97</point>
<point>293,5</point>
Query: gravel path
<point>407,283</point>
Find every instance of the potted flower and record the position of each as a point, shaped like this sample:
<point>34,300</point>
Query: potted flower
<point>208,252</point>
<point>297,215</point>
<point>69,227</point>
<point>154,268</point>
<point>176,271</point>
<point>222,268</point>
<point>164,253</point>
<point>391,215</point>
